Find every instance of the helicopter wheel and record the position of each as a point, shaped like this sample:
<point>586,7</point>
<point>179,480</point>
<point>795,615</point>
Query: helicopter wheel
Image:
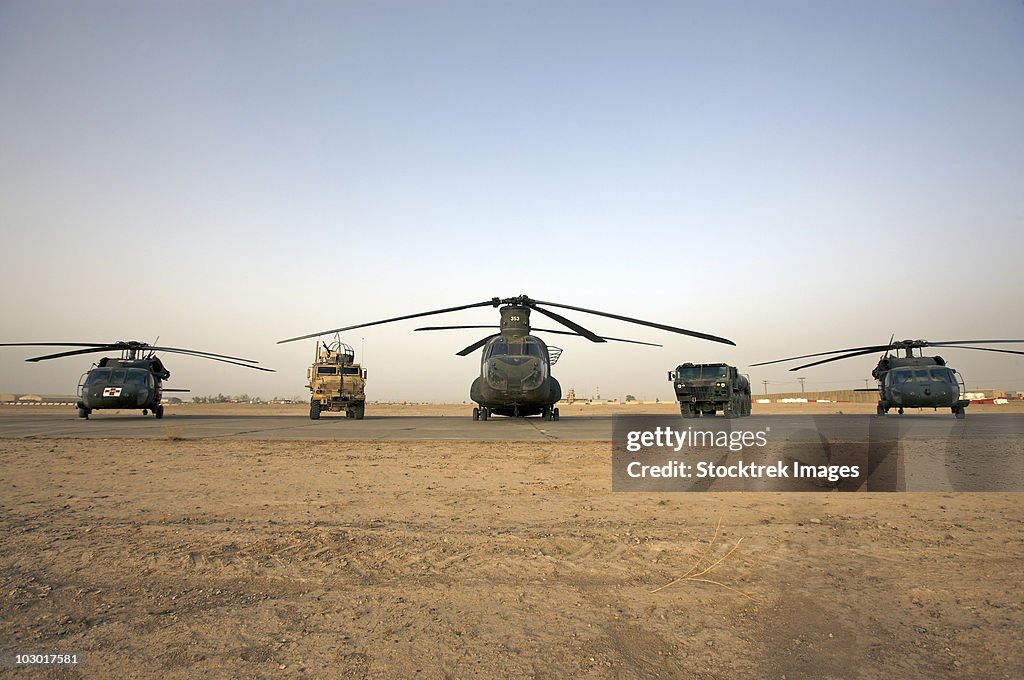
<point>959,412</point>
<point>899,411</point>
<point>476,413</point>
<point>159,411</point>
<point>881,410</point>
<point>83,413</point>
<point>485,413</point>
<point>554,414</point>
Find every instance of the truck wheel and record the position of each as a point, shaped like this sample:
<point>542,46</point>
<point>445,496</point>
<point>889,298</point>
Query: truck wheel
<point>159,411</point>
<point>83,413</point>
<point>360,410</point>
<point>314,409</point>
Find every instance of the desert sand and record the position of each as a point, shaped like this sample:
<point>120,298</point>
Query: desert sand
<point>228,558</point>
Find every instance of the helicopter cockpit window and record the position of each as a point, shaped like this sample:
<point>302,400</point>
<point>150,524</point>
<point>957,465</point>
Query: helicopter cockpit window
<point>117,377</point>
<point>942,375</point>
<point>136,378</point>
<point>922,374</point>
<point>98,376</point>
<point>498,346</point>
<point>900,376</point>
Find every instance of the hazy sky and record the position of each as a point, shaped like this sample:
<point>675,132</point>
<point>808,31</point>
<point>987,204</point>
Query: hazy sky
<point>796,176</point>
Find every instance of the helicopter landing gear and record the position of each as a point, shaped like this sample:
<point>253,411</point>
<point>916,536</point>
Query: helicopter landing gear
<point>899,411</point>
<point>485,413</point>
<point>314,409</point>
<point>883,408</point>
<point>554,414</point>
<point>476,413</point>
<point>83,412</point>
<point>959,412</point>
<point>159,411</point>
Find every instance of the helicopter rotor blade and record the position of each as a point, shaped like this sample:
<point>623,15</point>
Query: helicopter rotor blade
<point>986,349</point>
<point>871,350</point>
<point>56,344</point>
<point>866,350</point>
<point>466,351</point>
<point>537,330</point>
<point>494,302</point>
<point>216,358</point>
<point>604,337</point>
<point>951,343</point>
<point>652,324</point>
<point>72,353</point>
<point>208,355</point>
<point>588,334</point>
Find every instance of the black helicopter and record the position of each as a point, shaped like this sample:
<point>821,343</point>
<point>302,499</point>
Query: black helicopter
<point>515,367</point>
<point>911,381</point>
<point>133,381</point>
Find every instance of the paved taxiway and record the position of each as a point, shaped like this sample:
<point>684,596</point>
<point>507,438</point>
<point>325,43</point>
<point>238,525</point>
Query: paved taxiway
<point>120,425</point>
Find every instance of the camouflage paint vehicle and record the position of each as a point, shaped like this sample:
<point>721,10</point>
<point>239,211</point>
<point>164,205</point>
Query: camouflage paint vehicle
<point>336,381</point>
<point>703,389</point>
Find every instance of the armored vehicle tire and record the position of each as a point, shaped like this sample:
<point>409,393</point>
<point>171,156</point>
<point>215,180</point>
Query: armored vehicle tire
<point>83,413</point>
<point>360,410</point>
<point>476,413</point>
<point>314,409</point>
<point>159,411</point>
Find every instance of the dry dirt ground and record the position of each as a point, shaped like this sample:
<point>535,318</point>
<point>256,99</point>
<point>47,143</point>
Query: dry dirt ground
<point>226,558</point>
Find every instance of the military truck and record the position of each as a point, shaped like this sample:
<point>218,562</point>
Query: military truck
<point>703,389</point>
<point>336,381</point>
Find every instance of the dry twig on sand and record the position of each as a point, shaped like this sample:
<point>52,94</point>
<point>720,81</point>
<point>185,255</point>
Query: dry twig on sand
<point>691,576</point>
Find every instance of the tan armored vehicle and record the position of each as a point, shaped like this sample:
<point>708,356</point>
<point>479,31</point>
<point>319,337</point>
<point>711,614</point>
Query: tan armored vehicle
<point>336,381</point>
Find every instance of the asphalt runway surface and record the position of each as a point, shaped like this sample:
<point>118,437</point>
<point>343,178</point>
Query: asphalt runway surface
<point>130,425</point>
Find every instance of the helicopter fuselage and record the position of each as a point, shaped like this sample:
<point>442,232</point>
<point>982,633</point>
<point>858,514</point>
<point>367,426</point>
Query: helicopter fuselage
<point>122,384</point>
<point>918,382</point>
<point>515,370</point>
